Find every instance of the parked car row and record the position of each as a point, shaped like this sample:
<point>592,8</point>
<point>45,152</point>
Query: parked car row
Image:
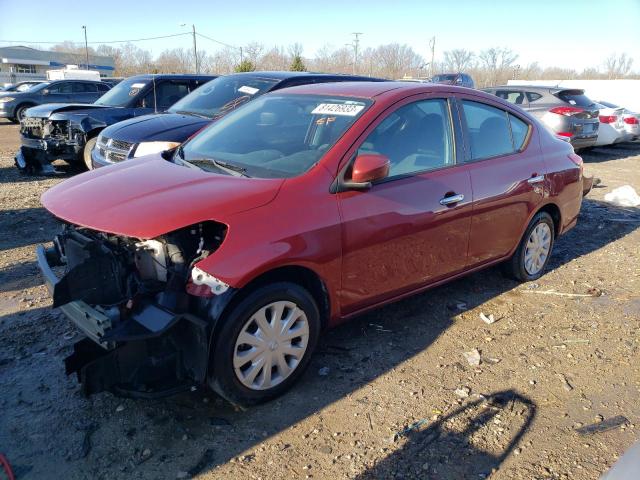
<point>572,115</point>
<point>288,210</point>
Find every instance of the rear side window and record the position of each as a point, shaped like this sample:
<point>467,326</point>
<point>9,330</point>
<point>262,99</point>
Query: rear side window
<point>167,93</point>
<point>533,96</point>
<point>102,87</point>
<point>575,97</point>
<point>512,96</point>
<point>492,132</point>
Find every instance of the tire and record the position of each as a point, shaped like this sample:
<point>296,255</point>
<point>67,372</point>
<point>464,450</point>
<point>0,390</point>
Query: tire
<point>86,153</point>
<point>20,112</point>
<point>517,266</point>
<point>230,377</point>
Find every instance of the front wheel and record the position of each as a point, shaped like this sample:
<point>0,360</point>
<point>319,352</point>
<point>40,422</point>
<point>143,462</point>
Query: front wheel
<point>21,112</point>
<point>265,344</point>
<point>86,154</point>
<point>533,253</point>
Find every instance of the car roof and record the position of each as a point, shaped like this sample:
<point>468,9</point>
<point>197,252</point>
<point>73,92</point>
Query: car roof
<point>534,88</point>
<point>370,89</point>
<point>285,75</point>
<point>175,76</point>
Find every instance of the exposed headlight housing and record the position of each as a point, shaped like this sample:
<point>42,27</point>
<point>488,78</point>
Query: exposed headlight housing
<point>148,148</point>
<point>6,99</point>
<point>201,284</point>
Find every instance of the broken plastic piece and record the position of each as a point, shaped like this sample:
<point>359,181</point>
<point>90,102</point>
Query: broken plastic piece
<point>200,277</point>
<point>624,196</point>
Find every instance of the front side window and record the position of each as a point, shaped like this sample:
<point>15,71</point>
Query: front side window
<point>166,94</point>
<point>416,137</point>
<point>64,87</point>
<point>273,136</point>
<point>490,130</point>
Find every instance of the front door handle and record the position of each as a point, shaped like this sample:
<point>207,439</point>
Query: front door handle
<point>536,179</point>
<point>451,199</point>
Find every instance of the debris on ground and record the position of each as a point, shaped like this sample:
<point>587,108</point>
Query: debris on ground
<point>604,425</point>
<point>560,294</point>
<point>473,357</point>
<point>324,371</point>
<point>624,196</point>
<point>410,428</point>
<point>487,319</point>
<point>462,392</point>
<point>565,383</point>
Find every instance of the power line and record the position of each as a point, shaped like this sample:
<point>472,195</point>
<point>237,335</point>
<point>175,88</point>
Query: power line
<point>103,43</point>
<point>218,41</point>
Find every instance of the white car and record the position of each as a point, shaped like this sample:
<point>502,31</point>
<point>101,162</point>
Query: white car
<point>631,120</point>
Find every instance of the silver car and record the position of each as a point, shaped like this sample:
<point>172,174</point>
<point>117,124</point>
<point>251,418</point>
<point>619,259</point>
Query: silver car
<point>568,112</point>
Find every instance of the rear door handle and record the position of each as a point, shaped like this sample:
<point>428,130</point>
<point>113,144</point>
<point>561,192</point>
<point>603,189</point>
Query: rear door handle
<point>452,199</point>
<point>536,179</point>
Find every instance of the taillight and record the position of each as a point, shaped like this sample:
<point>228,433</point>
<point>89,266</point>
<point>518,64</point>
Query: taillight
<point>566,111</point>
<point>631,120</point>
<point>564,134</point>
<point>608,118</point>
<point>575,158</point>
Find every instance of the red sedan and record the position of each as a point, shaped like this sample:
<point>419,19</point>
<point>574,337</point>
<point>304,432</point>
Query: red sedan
<point>221,262</point>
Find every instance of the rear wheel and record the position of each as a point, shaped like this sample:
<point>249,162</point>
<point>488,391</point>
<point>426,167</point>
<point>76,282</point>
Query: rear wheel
<point>533,253</point>
<point>86,154</point>
<point>265,344</point>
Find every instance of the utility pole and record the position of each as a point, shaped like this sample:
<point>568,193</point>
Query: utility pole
<point>432,46</point>
<point>356,43</point>
<point>86,47</point>
<point>195,48</point>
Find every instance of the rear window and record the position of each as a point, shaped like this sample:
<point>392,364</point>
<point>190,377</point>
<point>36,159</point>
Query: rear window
<point>575,97</point>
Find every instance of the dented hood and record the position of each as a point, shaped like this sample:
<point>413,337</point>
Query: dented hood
<point>148,197</point>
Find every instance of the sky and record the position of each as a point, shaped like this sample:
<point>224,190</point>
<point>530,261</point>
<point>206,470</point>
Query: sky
<point>567,33</point>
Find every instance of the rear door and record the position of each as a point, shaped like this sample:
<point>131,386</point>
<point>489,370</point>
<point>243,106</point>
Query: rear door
<point>411,229</point>
<point>507,176</point>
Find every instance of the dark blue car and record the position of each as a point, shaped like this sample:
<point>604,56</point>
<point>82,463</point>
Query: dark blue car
<point>155,133</point>
<point>69,131</point>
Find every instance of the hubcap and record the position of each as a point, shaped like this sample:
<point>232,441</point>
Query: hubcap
<point>271,345</point>
<point>537,249</point>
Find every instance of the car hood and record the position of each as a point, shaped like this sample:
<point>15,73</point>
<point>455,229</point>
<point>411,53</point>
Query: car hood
<point>150,196</point>
<point>45,111</point>
<point>166,127</point>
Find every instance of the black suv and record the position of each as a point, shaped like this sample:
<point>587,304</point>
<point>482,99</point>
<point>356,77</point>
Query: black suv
<point>69,131</point>
<point>155,133</point>
<point>13,105</point>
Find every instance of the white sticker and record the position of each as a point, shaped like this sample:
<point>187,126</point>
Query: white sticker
<point>337,109</point>
<point>138,85</point>
<point>248,90</point>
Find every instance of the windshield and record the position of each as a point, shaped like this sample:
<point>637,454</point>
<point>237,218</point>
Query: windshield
<point>23,87</point>
<point>575,97</point>
<point>223,94</point>
<point>123,92</point>
<point>274,136</point>
<point>40,86</point>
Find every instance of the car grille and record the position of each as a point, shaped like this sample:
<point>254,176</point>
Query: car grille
<point>114,150</point>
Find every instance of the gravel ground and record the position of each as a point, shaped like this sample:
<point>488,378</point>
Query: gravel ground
<point>388,395</point>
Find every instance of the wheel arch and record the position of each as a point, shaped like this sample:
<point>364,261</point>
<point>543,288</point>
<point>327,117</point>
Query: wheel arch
<point>554,211</point>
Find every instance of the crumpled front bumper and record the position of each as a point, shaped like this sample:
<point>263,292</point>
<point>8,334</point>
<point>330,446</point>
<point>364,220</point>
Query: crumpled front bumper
<point>152,352</point>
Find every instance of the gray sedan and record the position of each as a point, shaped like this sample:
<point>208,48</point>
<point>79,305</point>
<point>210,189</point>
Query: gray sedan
<point>14,104</point>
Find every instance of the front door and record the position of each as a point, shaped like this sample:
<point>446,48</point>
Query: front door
<point>412,228</point>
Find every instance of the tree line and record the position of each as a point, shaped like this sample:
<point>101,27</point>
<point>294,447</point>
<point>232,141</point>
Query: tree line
<point>490,66</point>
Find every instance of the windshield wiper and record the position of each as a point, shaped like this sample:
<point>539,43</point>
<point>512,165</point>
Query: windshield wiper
<point>229,168</point>
<point>194,114</point>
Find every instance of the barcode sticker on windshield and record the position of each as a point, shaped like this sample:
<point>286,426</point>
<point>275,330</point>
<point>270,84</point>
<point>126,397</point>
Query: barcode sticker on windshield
<point>248,90</point>
<point>138,85</point>
<point>349,110</point>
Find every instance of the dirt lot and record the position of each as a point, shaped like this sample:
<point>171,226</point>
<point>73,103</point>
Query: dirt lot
<point>385,396</point>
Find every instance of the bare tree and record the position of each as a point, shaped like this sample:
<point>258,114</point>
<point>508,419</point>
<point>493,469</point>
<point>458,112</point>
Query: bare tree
<point>496,65</point>
<point>396,61</point>
<point>275,59</point>
<point>458,60</point>
<point>618,66</point>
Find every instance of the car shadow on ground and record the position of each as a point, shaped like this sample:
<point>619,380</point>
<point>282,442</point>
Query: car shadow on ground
<point>469,442</point>
<point>352,356</point>
<point>13,175</point>
<point>26,226</point>
<point>610,152</point>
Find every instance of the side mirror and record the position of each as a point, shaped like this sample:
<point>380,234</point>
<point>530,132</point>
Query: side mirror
<point>367,168</point>
<point>45,91</point>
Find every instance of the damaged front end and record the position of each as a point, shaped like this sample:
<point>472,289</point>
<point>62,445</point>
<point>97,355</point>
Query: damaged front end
<point>148,313</point>
<point>44,140</point>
